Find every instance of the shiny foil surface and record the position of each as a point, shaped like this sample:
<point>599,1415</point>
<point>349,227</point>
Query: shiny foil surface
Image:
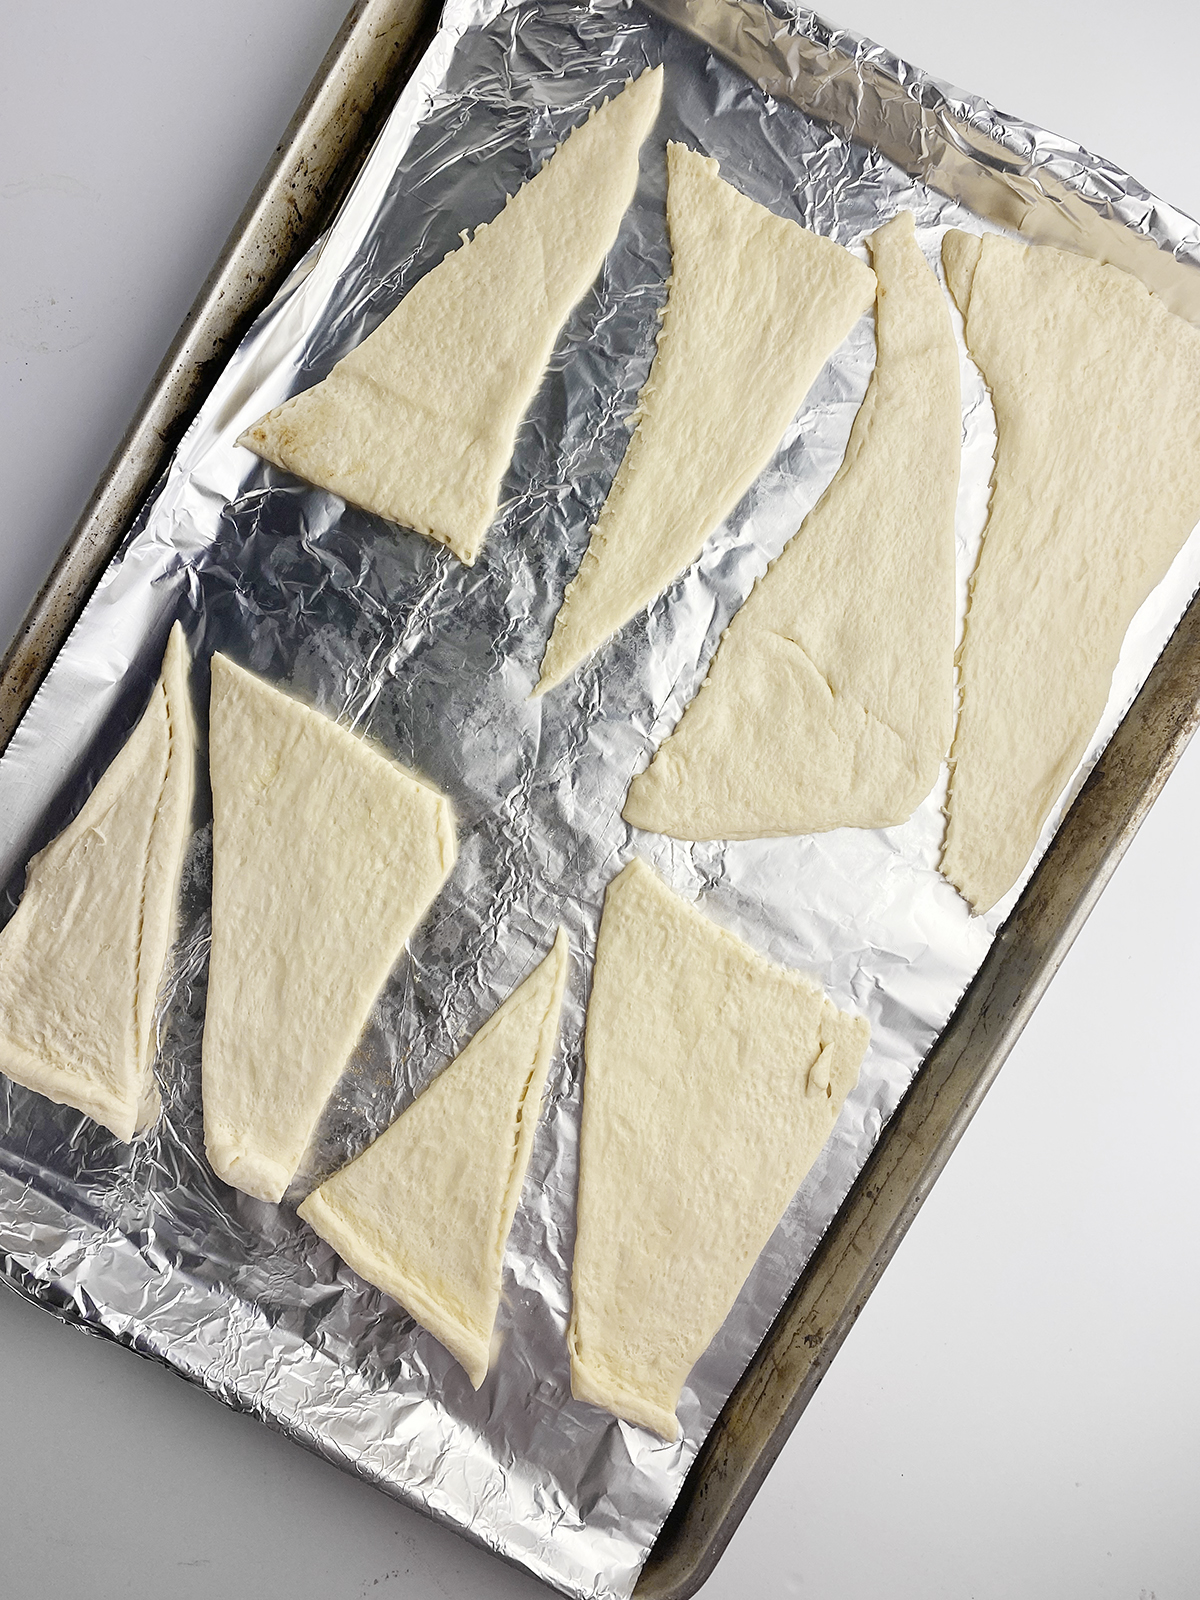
<point>395,638</point>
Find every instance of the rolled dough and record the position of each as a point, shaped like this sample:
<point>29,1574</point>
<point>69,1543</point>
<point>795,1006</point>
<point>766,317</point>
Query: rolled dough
<point>83,955</point>
<point>713,1078</point>
<point>755,306</point>
<point>829,703</point>
<point>325,855</point>
<point>418,423</point>
<point>1096,388</point>
<point>425,1211</point>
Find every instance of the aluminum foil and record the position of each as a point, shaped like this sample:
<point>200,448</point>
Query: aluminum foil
<point>397,639</point>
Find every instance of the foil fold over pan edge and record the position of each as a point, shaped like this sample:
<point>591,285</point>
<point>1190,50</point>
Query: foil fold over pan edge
<point>435,661</point>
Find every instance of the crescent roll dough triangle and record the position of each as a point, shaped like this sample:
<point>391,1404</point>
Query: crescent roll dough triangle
<point>755,306</point>
<point>713,1079</point>
<point>325,855</point>
<point>1096,389</point>
<point>425,1211</point>
<point>82,958</point>
<point>830,701</point>
<point>418,423</point>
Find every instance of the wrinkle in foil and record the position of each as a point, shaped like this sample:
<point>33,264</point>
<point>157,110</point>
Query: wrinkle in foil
<point>396,639</point>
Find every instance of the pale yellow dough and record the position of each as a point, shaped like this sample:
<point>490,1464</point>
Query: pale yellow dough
<point>713,1078</point>
<point>755,306</point>
<point>1096,388</point>
<point>830,701</point>
<point>82,958</point>
<point>425,1211</point>
<point>325,855</point>
<point>418,423</point>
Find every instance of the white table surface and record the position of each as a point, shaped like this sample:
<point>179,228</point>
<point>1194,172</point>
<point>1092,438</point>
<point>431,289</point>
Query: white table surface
<point>1017,1412</point>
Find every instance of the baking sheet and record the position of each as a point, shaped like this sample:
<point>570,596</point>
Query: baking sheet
<point>435,661</point>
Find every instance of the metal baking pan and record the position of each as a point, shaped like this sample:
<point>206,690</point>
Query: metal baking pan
<point>313,166</point>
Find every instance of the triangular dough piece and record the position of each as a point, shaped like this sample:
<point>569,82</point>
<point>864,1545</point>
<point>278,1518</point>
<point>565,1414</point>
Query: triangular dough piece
<point>830,701</point>
<point>325,855</point>
<point>1096,388</point>
<point>755,306</point>
<point>713,1079</point>
<point>82,958</point>
<point>418,423</point>
<point>425,1211</point>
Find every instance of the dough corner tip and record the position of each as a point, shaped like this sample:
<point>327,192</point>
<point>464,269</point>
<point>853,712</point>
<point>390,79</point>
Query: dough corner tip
<point>122,1121</point>
<point>647,82</point>
<point>475,1364</point>
<point>596,1387</point>
<point>960,256</point>
<point>250,1172</point>
<point>253,438</point>
<point>547,680</point>
<point>638,809</point>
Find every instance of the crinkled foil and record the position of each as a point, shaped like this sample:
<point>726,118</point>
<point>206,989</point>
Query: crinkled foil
<point>397,639</point>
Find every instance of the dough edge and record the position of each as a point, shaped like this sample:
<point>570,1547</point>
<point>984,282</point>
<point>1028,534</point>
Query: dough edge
<point>598,1387</point>
<point>126,1115</point>
<point>469,1349</point>
<point>112,1111</point>
<point>247,1170</point>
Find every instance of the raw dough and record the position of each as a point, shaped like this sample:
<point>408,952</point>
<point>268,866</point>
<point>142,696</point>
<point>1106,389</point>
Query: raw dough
<point>425,1211</point>
<point>713,1079</point>
<point>325,855</point>
<point>418,423</point>
<point>830,701</point>
<point>756,304</point>
<point>82,957</point>
<point>1096,387</point>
